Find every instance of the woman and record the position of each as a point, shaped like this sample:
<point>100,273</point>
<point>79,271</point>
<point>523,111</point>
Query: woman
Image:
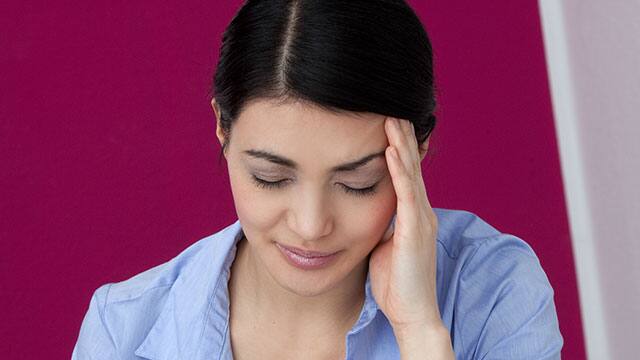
<point>324,111</point>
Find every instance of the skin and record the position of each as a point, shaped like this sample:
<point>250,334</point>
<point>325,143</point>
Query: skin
<point>314,309</point>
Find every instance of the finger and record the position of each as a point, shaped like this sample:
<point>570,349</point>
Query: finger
<point>388,234</point>
<point>401,137</point>
<point>414,222</point>
<point>397,139</point>
<point>410,136</point>
<point>404,188</point>
<point>411,140</point>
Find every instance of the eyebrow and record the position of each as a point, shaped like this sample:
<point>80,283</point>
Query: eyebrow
<point>280,160</point>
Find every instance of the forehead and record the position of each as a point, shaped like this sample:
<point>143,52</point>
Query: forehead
<point>298,129</point>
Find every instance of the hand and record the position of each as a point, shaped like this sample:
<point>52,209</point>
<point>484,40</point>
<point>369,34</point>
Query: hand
<point>403,269</point>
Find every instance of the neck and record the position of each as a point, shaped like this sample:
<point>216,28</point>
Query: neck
<point>269,303</point>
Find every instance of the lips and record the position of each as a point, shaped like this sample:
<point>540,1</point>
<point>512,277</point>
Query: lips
<point>308,260</point>
<point>306,253</point>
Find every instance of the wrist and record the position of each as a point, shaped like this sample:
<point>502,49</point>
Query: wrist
<point>424,341</point>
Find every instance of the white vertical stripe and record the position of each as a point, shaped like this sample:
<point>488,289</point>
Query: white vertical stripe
<point>567,133</point>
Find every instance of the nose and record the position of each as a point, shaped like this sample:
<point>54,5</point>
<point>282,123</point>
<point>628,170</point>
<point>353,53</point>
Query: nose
<point>310,215</point>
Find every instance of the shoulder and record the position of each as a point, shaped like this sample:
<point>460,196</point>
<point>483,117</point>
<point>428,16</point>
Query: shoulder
<point>461,231</point>
<point>210,249</point>
<point>120,314</point>
<point>464,239</point>
<point>495,297</point>
<point>152,282</point>
<point>150,285</point>
<point>487,262</point>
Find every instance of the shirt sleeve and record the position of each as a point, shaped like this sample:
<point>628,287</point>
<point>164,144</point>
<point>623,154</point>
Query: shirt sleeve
<point>505,305</point>
<point>94,340</point>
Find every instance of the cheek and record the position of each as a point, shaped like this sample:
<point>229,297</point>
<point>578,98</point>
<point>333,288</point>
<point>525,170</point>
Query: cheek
<point>254,207</point>
<point>365,223</point>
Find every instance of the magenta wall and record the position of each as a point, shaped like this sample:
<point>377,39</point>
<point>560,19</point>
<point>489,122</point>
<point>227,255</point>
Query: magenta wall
<point>109,156</point>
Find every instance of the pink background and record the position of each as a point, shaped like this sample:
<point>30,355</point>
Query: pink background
<point>109,155</point>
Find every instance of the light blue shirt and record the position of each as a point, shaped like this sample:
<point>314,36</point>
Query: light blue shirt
<point>493,296</point>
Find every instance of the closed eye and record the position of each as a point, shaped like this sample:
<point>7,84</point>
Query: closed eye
<point>261,183</point>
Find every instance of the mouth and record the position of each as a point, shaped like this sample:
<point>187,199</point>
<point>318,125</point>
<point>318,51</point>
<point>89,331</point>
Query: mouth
<point>306,253</point>
<point>308,260</point>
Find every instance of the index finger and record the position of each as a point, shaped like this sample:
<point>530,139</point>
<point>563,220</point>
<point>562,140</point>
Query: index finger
<point>403,158</point>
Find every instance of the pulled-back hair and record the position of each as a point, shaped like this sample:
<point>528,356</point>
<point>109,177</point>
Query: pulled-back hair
<point>340,55</point>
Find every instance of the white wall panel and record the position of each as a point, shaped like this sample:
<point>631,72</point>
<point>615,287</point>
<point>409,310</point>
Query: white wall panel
<point>593,55</point>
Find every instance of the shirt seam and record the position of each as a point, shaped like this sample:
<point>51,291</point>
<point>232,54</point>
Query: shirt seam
<point>212,299</point>
<point>224,340</point>
<point>471,258</point>
<point>446,251</point>
<point>457,318</point>
<point>141,294</point>
<point>104,323</point>
<point>462,271</point>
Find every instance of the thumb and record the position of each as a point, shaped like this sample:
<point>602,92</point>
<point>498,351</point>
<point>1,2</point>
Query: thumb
<point>389,232</point>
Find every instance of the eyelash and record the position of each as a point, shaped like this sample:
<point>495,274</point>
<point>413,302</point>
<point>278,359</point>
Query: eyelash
<point>278,184</point>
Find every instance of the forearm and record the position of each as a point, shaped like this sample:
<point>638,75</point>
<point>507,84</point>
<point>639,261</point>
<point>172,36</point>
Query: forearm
<point>424,342</point>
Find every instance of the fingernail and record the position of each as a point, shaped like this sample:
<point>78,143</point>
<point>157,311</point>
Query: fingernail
<point>390,121</point>
<point>394,152</point>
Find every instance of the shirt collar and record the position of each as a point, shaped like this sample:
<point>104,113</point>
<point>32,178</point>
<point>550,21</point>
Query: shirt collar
<point>194,319</point>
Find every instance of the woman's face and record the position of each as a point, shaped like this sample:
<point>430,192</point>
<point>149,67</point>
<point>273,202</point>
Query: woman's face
<point>314,207</point>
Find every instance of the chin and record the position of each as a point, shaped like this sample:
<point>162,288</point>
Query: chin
<point>307,283</point>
